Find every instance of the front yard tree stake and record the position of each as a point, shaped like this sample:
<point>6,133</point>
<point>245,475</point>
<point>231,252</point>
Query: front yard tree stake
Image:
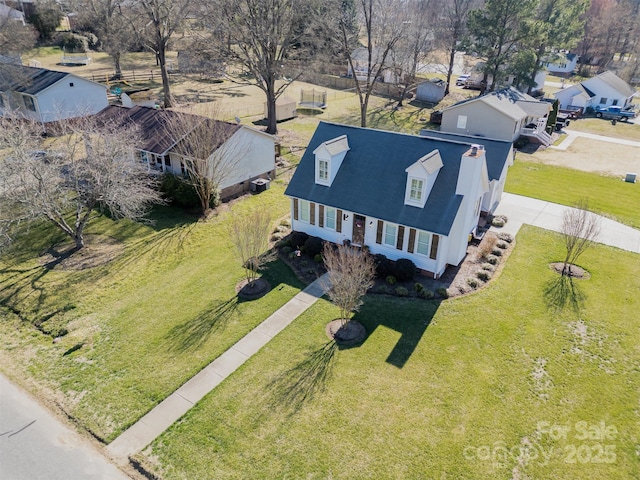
<point>350,274</point>
<point>580,228</point>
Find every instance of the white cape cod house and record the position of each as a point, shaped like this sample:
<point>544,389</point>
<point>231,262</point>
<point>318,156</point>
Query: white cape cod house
<point>403,196</point>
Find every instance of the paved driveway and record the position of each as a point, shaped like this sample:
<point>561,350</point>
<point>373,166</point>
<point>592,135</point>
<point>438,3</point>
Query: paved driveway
<point>520,210</point>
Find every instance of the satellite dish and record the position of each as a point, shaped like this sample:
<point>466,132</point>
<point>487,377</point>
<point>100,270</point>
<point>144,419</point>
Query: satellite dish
<point>116,90</point>
<point>238,120</point>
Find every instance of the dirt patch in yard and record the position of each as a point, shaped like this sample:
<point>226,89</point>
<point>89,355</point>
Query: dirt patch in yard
<point>591,156</point>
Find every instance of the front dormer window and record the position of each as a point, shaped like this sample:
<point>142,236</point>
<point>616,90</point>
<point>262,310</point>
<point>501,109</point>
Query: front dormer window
<point>323,170</point>
<point>415,193</point>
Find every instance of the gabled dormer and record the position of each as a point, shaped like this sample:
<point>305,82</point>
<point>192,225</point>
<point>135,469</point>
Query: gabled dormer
<point>421,177</point>
<point>329,156</point>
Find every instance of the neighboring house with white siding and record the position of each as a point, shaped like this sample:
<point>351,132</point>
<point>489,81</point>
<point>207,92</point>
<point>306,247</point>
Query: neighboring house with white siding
<point>249,152</point>
<point>603,90</point>
<point>403,196</point>
<point>47,96</point>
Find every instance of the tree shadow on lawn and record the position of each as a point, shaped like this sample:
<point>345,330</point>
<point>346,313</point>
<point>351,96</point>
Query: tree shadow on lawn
<point>562,292</point>
<point>195,332</point>
<point>300,384</point>
<point>411,322</point>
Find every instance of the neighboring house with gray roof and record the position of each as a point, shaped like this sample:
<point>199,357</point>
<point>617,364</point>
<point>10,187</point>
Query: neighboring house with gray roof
<point>505,115</point>
<point>561,63</point>
<point>249,153</point>
<point>403,196</point>
<point>47,95</point>
<point>603,90</point>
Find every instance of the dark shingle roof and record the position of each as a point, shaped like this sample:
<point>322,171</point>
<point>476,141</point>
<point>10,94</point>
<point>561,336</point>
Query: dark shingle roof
<point>154,124</point>
<point>29,80</point>
<point>372,178</point>
<point>497,151</point>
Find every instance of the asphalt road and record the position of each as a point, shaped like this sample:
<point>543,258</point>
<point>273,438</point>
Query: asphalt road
<point>35,445</point>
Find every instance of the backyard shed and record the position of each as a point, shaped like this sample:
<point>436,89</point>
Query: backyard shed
<point>286,108</point>
<point>431,91</point>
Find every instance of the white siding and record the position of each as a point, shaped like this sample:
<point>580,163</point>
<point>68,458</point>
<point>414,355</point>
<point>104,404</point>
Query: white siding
<point>61,101</point>
<point>255,152</point>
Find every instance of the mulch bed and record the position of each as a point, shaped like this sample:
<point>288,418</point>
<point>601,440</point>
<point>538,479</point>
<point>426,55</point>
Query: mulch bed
<point>454,280</point>
<point>257,289</point>
<point>574,270</point>
<point>350,333</point>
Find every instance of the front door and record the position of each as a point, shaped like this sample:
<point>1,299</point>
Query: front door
<point>357,236</point>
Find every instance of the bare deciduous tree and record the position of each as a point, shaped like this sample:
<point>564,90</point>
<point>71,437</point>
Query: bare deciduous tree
<point>89,169</point>
<point>261,36</point>
<point>157,21</point>
<point>105,18</point>
<point>250,235</point>
<point>15,38</point>
<point>580,228</point>
<point>350,273</point>
<point>382,25</point>
<point>208,159</point>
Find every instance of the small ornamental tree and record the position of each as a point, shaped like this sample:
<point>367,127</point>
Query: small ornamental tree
<point>350,273</point>
<point>580,228</point>
<point>250,236</point>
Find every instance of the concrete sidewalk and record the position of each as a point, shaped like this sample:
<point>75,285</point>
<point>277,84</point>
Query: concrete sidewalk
<point>149,427</point>
<point>520,210</point>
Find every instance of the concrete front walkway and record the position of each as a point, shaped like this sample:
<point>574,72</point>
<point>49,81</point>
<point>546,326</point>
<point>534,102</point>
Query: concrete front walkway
<point>149,427</point>
<point>520,210</point>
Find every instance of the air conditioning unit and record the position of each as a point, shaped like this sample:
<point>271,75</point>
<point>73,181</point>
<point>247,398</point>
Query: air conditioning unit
<point>630,177</point>
<point>259,185</point>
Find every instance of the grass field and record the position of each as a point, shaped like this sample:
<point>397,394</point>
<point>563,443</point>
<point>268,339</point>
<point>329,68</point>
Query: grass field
<point>462,389</point>
<point>139,326</point>
<point>598,126</point>
<point>608,196</point>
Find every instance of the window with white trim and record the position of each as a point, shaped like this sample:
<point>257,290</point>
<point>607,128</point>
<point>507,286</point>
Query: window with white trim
<point>415,192</point>
<point>330,218</point>
<point>423,242</point>
<point>462,121</point>
<point>603,100</point>
<point>29,103</point>
<point>323,170</point>
<point>390,234</point>
<point>304,211</point>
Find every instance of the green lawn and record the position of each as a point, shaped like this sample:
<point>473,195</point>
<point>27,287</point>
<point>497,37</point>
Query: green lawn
<point>608,196</point>
<point>139,326</point>
<point>437,390</point>
<point>627,130</point>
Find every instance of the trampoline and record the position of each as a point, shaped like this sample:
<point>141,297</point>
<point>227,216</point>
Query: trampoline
<point>313,99</point>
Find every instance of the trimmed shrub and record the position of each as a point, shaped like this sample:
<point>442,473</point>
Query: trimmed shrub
<point>313,246</point>
<point>501,245</point>
<point>442,292</point>
<point>499,221</point>
<point>497,252</point>
<point>401,292</point>
<point>286,250</point>
<point>179,193</point>
<point>382,289</point>
<point>486,246</point>
<point>404,270</point>
<point>285,223</point>
<point>292,255</point>
<point>505,237</point>
<point>391,280</point>
<point>426,294</point>
<point>472,282</point>
<point>298,239</point>
<point>493,260</point>
<point>483,275</point>
<point>318,258</point>
<point>383,265</point>
<point>418,287</point>
<point>488,267</point>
